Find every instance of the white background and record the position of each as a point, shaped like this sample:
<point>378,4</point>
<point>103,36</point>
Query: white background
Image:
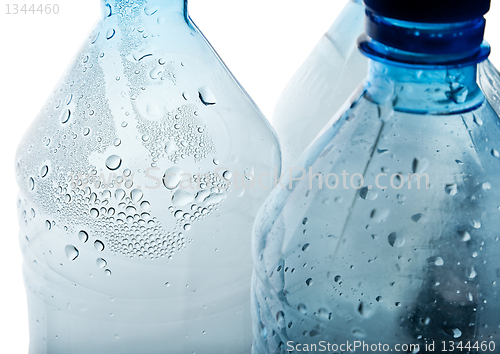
<point>263,42</point>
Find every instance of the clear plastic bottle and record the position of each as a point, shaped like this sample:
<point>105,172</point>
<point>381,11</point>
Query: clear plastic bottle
<point>135,226</point>
<point>333,70</point>
<point>326,81</point>
<point>387,233</point>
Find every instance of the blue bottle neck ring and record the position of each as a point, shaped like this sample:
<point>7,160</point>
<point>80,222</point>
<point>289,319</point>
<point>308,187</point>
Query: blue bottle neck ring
<point>406,43</point>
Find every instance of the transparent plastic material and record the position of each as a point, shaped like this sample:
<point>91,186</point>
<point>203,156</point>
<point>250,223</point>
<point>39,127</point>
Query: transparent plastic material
<point>327,78</point>
<point>387,231</point>
<point>325,82</point>
<point>135,228</point>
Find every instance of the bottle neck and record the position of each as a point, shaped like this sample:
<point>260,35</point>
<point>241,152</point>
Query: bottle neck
<point>432,90</point>
<point>149,7</point>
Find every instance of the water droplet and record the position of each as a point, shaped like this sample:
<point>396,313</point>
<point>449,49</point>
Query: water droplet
<point>44,170</point>
<point>380,215</point>
<point>471,273</point>
<point>83,236</point>
<point>71,252</point>
<point>206,96</point>
<point>337,278</point>
<point>31,183</point>
<point>365,310</point>
<point>182,197</point>
<point>101,262</point>
<point>185,95</point>
<point>65,115</point>
<point>120,194</point>
<point>420,165</point>
<point>94,213</point>
<point>379,299</point>
<point>151,9</point>
<point>439,261</point>
<point>305,247</point>
<point>359,333</point>
<point>302,309</point>
<point>86,131</point>
<point>227,175</point>
<point>172,177</point>
<point>417,217</point>
<point>145,206</point>
<point>478,120</point>
<point>98,245</point>
<point>170,147</point>
<point>110,34</point>
<point>136,195</point>
<point>117,142</point>
<point>464,236</point>
<point>368,194</point>
<point>108,273</point>
<point>48,224</point>
<point>309,282</point>
<point>451,189</point>
<point>495,153</point>
<point>396,240</point>
<point>280,318</point>
<point>113,162</point>
<point>456,333</point>
<point>187,227</point>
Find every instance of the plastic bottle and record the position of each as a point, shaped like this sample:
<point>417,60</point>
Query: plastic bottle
<point>135,226</point>
<point>321,85</point>
<point>385,234</point>
<point>326,81</point>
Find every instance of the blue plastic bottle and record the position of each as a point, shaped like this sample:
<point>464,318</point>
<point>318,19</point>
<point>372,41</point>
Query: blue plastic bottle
<point>386,234</point>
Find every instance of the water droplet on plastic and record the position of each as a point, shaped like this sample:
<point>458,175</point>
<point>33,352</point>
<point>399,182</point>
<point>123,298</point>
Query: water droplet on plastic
<point>44,170</point>
<point>172,177</point>
<point>451,189</point>
<point>31,183</point>
<point>108,273</point>
<point>136,195</point>
<point>120,194</point>
<point>83,236</point>
<point>98,245</point>
<point>182,197</point>
<point>309,282</point>
<point>439,261</point>
<point>101,262</point>
<point>117,142</point>
<point>71,252</point>
<point>206,96</point>
<point>420,165</point>
<point>396,240</point>
<point>86,131</point>
<point>495,153</point>
<point>65,115</point>
<point>305,247</point>
<point>380,215</point>
<point>368,194</point>
<point>94,213</point>
<point>478,120</point>
<point>110,34</point>
<point>464,236</point>
<point>113,162</point>
<point>471,273</point>
<point>151,9</point>
<point>302,309</point>
<point>365,310</point>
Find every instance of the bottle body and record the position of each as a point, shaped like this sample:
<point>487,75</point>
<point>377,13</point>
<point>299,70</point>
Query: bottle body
<point>386,234</point>
<point>135,226</point>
